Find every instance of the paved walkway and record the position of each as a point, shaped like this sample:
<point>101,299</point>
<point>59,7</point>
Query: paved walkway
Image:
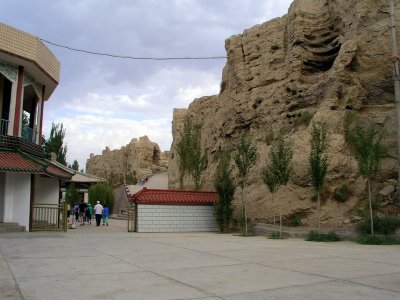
<point>107,263</point>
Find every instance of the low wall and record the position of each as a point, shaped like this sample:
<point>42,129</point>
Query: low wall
<point>175,218</point>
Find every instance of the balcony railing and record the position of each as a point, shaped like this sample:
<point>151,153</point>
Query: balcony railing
<point>4,126</point>
<point>29,134</point>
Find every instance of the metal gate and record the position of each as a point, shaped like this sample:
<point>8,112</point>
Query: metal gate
<point>131,219</point>
<point>49,217</point>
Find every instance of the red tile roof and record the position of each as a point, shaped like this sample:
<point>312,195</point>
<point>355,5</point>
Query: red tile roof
<point>173,197</point>
<point>20,162</point>
<point>15,162</point>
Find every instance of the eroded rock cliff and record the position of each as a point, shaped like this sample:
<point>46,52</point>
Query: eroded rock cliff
<point>322,62</point>
<point>139,159</point>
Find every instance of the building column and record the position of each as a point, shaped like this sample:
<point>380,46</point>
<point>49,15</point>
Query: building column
<point>13,98</point>
<point>40,118</point>
<point>18,103</point>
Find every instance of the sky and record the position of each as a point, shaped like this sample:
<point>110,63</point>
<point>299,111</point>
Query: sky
<point>104,101</point>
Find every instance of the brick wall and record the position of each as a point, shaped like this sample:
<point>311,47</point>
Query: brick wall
<point>175,218</point>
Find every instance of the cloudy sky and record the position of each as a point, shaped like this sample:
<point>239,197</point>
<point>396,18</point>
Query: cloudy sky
<point>105,101</point>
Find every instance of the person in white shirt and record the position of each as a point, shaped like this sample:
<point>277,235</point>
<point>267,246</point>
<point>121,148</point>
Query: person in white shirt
<point>98,210</point>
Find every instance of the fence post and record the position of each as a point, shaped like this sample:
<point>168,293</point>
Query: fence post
<point>65,213</point>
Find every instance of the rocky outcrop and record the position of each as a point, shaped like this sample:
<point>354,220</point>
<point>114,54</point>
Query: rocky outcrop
<point>322,62</point>
<point>139,160</point>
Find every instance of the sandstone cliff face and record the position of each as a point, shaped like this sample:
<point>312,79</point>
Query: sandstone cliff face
<point>139,159</point>
<point>325,59</point>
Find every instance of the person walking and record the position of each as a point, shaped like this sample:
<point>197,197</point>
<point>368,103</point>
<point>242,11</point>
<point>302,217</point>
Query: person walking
<point>106,212</point>
<point>98,210</point>
<point>88,214</point>
<point>76,210</point>
<point>82,212</point>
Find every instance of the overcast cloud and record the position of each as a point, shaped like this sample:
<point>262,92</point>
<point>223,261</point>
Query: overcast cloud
<point>106,101</point>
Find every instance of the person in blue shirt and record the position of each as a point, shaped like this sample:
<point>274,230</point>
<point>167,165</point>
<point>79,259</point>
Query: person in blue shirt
<point>106,212</point>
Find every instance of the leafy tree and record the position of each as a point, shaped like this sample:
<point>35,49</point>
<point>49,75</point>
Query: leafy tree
<point>72,195</point>
<point>225,188</point>
<point>102,192</point>
<point>369,147</point>
<point>191,159</point>
<point>183,147</point>
<point>278,171</point>
<point>55,143</point>
<point>318,161</point>
<point>245,158</point>
<point>198,159</point>
<point>74,166</point>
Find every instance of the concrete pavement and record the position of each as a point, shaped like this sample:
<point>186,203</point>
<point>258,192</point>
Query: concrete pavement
<point>108,263</point>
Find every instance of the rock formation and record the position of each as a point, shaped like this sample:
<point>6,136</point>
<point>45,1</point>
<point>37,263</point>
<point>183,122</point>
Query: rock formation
<point>139,160</point>
<point>322,62</point>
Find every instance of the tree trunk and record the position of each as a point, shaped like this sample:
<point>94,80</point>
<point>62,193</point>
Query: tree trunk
<point>280,222</point>
<point>370,206</point>
<point>319,213</point>
<point>273,212</point>
<point>244,213</point>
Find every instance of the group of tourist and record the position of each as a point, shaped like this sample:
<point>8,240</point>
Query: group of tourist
<point>83,213</point>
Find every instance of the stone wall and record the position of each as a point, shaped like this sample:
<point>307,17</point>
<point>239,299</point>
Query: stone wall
<point>140,159</point>
<point>322,62</point>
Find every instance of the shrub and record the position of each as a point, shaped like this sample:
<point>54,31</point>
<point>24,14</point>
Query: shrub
<point>376,240</point>
<point>275,236</point>
<point>222,86</point>
<point>315,236</point>
<point>303,117</point>
<point>382,225</point>
<point>342,193</point>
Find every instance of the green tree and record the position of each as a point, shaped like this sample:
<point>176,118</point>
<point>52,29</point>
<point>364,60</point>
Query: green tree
<point>225,188</point>
<point>102,192</point>
<point>369,147</point>
<point>72,195</point>
<point>198,159</point>
<point>245,158</point>
<point>191,158</point>
<point>55,144</point>
<point>278,171</point>
<point>318,161</point>
<point>74,166</point>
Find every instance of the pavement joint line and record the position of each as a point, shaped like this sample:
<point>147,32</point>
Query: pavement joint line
<point>13,276</point>
<point>367,285</point>
<point>166,277</point>
<point>363,284</point>
<point>80,274</point>
<point>348,280</point>
<point>295,271</point>
<point>281,288</point>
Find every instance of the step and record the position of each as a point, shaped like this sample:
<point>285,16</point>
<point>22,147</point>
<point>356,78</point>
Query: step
<point>11,227</point>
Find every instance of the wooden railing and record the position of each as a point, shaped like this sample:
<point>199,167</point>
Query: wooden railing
<point>49,217</point>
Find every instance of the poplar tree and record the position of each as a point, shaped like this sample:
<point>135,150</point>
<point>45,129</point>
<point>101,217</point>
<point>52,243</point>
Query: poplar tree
<point>225,188</point>
<point>369,147</point>
<point>278,171</point>
<point>318,161</point>
<point>245,158</point>
<point>191,157</point>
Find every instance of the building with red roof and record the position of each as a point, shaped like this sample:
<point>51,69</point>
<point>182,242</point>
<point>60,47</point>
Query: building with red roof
<point>29,73</point>
<point>159,210</point>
